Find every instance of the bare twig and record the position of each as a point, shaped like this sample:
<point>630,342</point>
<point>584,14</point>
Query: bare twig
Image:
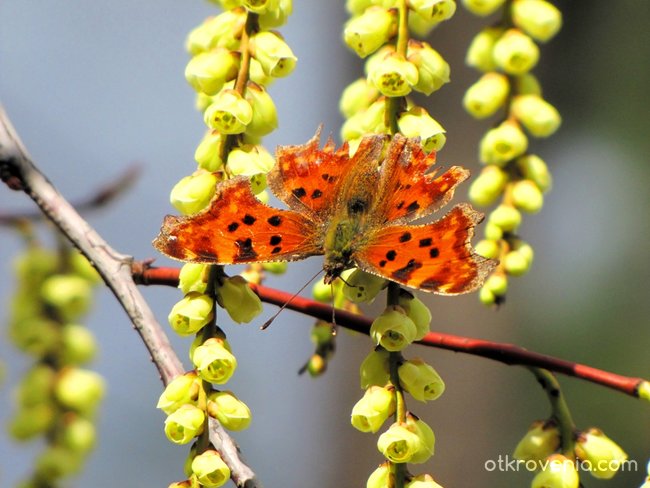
<point>19,173</point>
<point>506,353</point>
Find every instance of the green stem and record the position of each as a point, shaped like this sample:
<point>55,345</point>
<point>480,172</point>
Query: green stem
<point>560,410</point>
<point>402,28</point>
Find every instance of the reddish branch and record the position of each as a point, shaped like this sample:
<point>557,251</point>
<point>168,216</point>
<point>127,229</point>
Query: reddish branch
<point>506,353</point>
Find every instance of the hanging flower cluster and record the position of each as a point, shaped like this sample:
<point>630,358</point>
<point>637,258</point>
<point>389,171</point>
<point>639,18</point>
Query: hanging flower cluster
<point>506,53</point>
<point>378,103</point>
<point>57,398</point>
<point>235,56</point>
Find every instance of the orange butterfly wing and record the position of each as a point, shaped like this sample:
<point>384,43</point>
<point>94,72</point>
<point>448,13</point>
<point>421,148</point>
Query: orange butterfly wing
<point>238,228</point>
<point>435,257</point>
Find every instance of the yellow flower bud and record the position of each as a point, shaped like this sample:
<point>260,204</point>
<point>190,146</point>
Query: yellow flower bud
<point>208,152</point>
<point>644,391</point>
<point>363,287</point>
<point>421,380</point>
<point>36,386</point>
<point>493,231</point>
<point>77,344</point>
<point>36,336</point>
<point>526,196</point>
<point>239,300</point>
<point>223,30</point>
<point>208,71</point>
<point>538,116</point>
<point>534,168</point>
<point>228,113</point>
<point>516,264</point>
<point>265,117</point>
<point>214,362</point>
<point>433,70</point>
<point>370,413</point>
<point>422,481</point>
<point>357,96</point>
<point>557,472</point>
<point>487,95</point>
<point>316,365</point>
<point>78,434</point>
<point>515,52</point>
<point>486,296</point>
<point>541,440</point>
<point>32,421</point>
<point>394,76</point>
<point>434,10</point>
<point>393,330</point>
<point>249,160</point>
<point>191,314</point>
<point>276,267</point>
<point>277,16</point>
<point>497,283</point>
<point>418,312</point>
<point>82,267</point>
<point>79,389</point>
<point>487,248</point>
<point>374,370</point>
<point>488,186</point>
<point>370,121</point>
<point>381,477</point>
<point>184,424</point>
<point>418,123</point>
<point>193,277</point>
<point>398,444</point>
<point>193,193</point>
<point>483,7</point>
<point>538,18</point>
<point>182,390</point>
<point>57,462</point>
<point>479,53</point>
<point>210,470</point>
<point>274,55</point>
<point>367,32</point>
<point>599,454</point>
<point>427,439</point>
<point>70,294</point>
<point>527,84</point>
<point>229,410</point>
<point>502,144</point>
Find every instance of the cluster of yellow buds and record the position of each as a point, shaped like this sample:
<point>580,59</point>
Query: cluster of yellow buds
<point>57,399</point>
<point>594,451</point>
<point>506,53</point>
<point>234,56</point>
<point>394,69</point>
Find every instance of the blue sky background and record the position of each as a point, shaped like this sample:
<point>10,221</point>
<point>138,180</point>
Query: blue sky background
<point>94,86</point>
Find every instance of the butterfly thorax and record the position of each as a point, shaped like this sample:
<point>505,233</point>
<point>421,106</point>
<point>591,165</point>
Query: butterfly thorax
<point>339,244</point>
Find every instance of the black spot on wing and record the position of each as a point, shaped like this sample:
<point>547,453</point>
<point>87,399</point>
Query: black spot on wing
<point>405,237</point>
<point>299,192</point>
<point>245,251</point>
<point>430,283</point>
<point>413,206</point>
<point>403,274</point>
<point>391,255</point>
<point>316,194</point>
<point>249,219</point>
<point>275,240</point>
<point>426,242</point>
<point>275,220</point>
<point>434,252</point>
<point>233,226</point>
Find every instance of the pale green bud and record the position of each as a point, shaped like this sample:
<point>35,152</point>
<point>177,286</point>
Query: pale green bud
<point>322,292</point>
<point>420,26</point>
<point>527,196</point>
<point>316,365</point>
<point>493,231</point>
<point>32,421</point>
<point>184,424</point>
<point>394,76</point>
<point>421,380</point>
<point>538,18</point>
<point>487,248</point>
<point>274,55</point>
<point>191,314</point>
<point>422,481</point>
<point>228,113</point>
<point>433,10</point>
<point>502,144</point>
<point>35,264</point>
<point>433,70</point>
<point>534,168</point>
<point>644,393</point>
<point>79,389</point>
<point>393,330</point>
<point>239,300</point>
<point>362,287</point>
<point>418,312</point>
<point>515,52</point>
<point>487,95</point>
<point>78,345</point>
<point>193,193</point>
<point>250,160</point>
<point>381,477</point>
<point>214,362</point>
<point>208,152</point>
<point>367,32</point>
<point>321,334</point>
<point>203,101</point>
<point>527,84</point>
<point>538,116</point>
<point>418,123</point>
<point>557,472</point>
<point>193,277</point>
<point>374,370</point>
<point>426,436</point>
<point>36,386</point>
<point>82,267</point>
<point>70,294</point>
<point>479,53</point>
<point>229,410</point>
<point>370,121</point>
<point>210,470</point>
<point>526,251</point>
<point>223,30</point>
<point>483,7</point>
<point>600,453</point>
<point>257,75</point>
<point>276,267</point>
<point>182,390</point>
<point>497,283</point>
<point>486,297</point>
<point>371,411</point>
<point>79,434</point>
<point>398,444</point>
<point>488,186</point>
<point>277,16</point>
<point>516,264</point>
<point>208,71</point>
<point>541,440</point>
<point>36,336</point>
<point>57,462</point>
<point>506,217</point>
<point>357,96</point>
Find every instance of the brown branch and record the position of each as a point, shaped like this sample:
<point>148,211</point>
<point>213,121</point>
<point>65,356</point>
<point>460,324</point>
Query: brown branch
<point>506,353</point>
<point>19,173</point>
<point>99,198</point>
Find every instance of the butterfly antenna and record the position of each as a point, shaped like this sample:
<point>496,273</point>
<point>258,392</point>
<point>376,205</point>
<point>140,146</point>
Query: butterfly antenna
<point>268,322</point>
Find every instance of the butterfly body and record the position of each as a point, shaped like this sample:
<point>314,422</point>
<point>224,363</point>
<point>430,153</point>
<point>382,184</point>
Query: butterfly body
<point>355,210</point>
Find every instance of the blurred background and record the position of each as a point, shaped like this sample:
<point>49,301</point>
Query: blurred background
<point>94,86</point>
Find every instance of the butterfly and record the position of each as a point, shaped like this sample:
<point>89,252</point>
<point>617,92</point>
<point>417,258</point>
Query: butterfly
<point>355,210</point>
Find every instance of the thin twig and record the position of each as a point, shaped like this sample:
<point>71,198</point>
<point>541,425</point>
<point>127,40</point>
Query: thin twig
<point>19,173</point>
<point>510,354</point>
